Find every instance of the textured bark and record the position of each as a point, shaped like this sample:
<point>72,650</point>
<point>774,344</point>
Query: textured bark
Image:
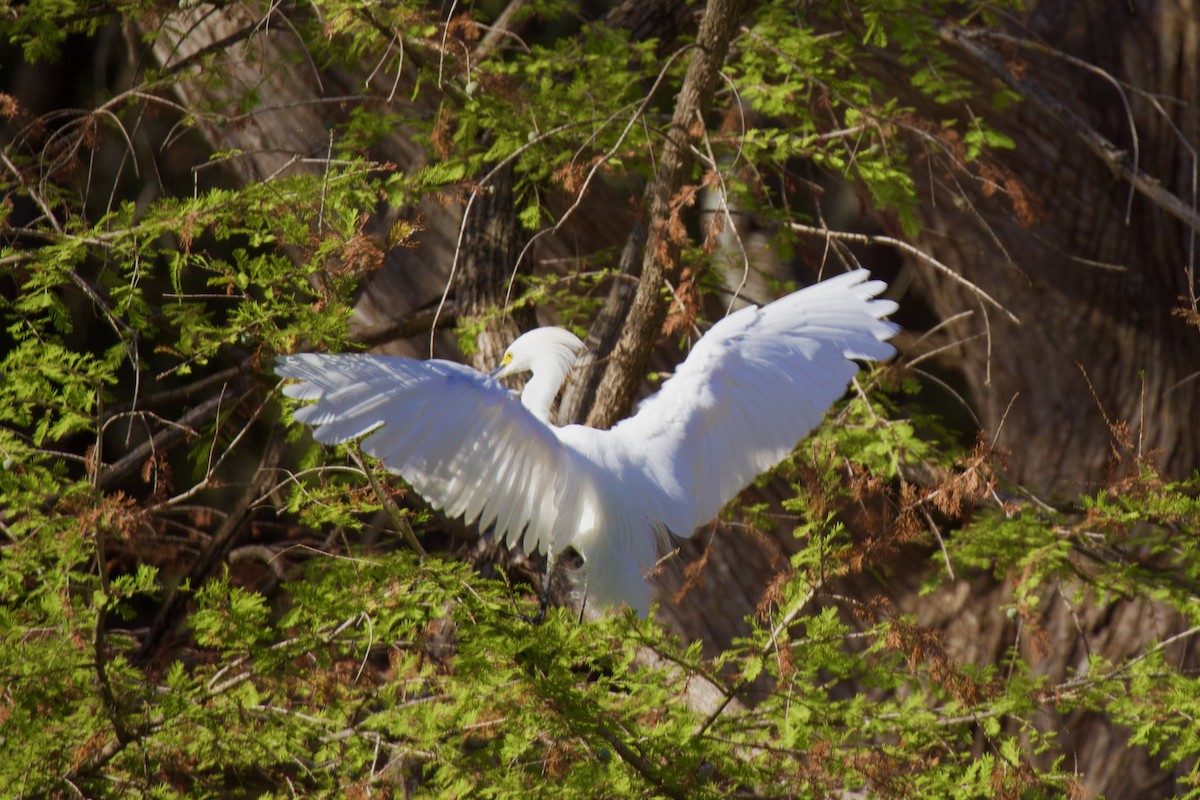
<point>288,128</point>
<point>1097,265</point>
<point>1094,276</point>
<point>1093,291</point>
<point>1096,346</point>
<point>492,241</point>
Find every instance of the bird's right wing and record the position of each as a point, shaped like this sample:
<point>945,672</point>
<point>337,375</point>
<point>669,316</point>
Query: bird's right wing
<point>751,388</point>
<point>458,437</point>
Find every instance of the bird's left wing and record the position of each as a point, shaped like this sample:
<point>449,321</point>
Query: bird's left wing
<point>457,436</point>
<point>751,388</point>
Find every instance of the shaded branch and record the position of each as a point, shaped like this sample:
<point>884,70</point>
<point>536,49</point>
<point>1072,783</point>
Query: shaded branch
<point>171,614</point>
<point>416,323</point>
<point>398,517</point>
<point>185,426</point>
<point>915,252</point>
<point>1113,157</point>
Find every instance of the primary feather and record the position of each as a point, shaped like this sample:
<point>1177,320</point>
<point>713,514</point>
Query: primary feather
<point>751,388</point>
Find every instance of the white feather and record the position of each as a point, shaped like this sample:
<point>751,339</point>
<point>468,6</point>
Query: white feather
<point>751,388</point>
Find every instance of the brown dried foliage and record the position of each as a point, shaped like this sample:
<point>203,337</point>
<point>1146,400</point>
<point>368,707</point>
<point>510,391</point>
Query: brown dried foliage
<point>885,530</point>
<point>997,178</point>
<point>442,137</point>
<point>463,29</point>
<point>361,256</point>
<point>156,471</point>
<point>1009,782</point>
<point>921,647</point>
<point>674,227</point>
<point>404,233</point>
<point>1187,312</point>
<point>693,573</point>
<point>993,177</point>
<point>712,235</point>
<point>115,513</point>
<point>187,230</point>
<point>9,107</point>
<point>571,176</point>
<point>970,484</point>
<point>772,595</point>
<point>889,771</point>
<point>90,749</point>
<point>686,305</point>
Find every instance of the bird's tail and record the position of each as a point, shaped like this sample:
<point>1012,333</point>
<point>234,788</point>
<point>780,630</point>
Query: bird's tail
<point>616,564</point>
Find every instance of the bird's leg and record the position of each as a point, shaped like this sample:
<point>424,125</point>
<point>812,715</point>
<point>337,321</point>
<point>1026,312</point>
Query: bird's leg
<point>540,616</point>
<point>583,602</point>
<point>551,560</point>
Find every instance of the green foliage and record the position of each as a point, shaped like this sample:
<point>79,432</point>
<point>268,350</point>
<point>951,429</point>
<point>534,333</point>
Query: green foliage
<point>575,297</point>
<point>600,71</point>
<point>40,27</point>
<point>422,673</point>
<point>137,418</point>
<point>829,112</point>
<point>1132,541</point>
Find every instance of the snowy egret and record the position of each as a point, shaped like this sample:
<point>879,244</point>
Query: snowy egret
<point>750,389</point>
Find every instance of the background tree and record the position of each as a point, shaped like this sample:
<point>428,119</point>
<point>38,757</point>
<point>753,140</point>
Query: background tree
<point>191,190</point>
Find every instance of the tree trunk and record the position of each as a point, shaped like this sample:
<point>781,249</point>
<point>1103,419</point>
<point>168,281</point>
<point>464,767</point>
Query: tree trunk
<point>642,311</point>
<point>1092,266</point>
<point>491,242</point>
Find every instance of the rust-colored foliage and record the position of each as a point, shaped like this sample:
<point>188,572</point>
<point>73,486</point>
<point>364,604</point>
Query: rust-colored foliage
<point>923,648</point>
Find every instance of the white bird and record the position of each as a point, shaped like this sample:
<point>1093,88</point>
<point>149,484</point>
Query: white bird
<point>750,389</point>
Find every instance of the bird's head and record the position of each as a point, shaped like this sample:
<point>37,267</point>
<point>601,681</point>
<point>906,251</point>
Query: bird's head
<point>541,350</point>
<point>546,352</point>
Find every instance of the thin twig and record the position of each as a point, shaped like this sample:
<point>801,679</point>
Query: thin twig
<point>1112,156</point>
<point>916,252</point>
<point>398,517</point>
<point>597,163</point>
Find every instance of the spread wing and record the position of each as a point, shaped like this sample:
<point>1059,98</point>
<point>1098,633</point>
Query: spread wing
<point>461,439</point>
<point>752,387</point>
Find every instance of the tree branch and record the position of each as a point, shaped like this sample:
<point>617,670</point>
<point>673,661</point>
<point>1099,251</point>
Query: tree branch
<point>630,323</point>
<point>169,437</point>
<point>1117,160</point>
<point>418,322</point>
<point>170,615</point>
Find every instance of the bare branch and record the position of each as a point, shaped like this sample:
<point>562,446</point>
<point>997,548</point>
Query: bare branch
<point>1117,160</point>
<point>172,613</point>
<point>916,252</point>
<point>194,418</point>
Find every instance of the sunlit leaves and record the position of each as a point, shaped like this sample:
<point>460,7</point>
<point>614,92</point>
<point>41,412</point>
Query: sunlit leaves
<point>589,91</point>
<point>364,670</point>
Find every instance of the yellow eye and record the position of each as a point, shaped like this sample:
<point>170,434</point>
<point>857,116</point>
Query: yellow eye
<point>506,360</point>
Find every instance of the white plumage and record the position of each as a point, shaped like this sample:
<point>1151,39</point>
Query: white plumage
<point>750,389</point>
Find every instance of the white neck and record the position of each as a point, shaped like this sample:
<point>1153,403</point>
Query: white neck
<point>543,385</point>
<point>549,353</point>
